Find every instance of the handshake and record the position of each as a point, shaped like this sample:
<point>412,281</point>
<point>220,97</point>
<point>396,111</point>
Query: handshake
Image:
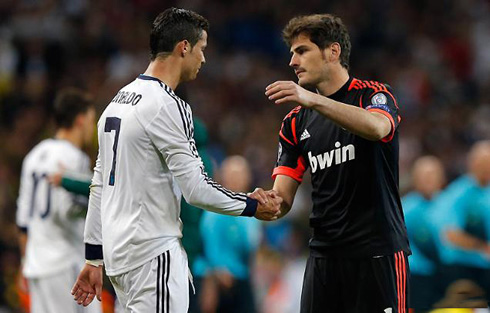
<point>269,206</point>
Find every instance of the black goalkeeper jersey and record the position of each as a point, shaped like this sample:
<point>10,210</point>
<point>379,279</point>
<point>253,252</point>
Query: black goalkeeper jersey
<point>356,204</point>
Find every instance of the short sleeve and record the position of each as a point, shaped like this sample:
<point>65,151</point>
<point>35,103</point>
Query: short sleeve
<point>381,99</point>
<point>290,162</point>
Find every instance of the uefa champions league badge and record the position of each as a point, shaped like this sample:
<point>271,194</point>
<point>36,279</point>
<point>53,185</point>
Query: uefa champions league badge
<point>378,99</point>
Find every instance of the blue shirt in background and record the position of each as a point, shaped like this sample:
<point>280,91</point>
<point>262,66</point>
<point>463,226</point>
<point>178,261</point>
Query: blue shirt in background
<point>424,252</point>
<point>229,243</point>
<point>464,205</point>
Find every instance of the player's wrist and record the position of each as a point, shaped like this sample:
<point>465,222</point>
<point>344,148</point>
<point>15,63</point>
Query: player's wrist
<point>315,101</point>
<point>250,207</point>
<point>93,252</point>
<point>95,263</point>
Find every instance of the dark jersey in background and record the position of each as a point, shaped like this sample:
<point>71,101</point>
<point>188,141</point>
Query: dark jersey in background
<point>356,204</point>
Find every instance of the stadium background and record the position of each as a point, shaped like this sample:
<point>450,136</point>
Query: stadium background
<point>435,54</point>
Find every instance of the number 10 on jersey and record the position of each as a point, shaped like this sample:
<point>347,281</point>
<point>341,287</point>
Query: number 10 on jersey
<point>113,123</point>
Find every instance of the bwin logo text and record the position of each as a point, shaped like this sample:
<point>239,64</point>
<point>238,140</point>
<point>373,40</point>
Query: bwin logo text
<point>341,155</point>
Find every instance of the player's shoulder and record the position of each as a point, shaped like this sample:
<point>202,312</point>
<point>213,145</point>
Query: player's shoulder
<point>144,91</point>
<point>41,147</point>
<point>66,153</point>
<point>159,103</point>
<point>294,113</point>
<point>154,89</point>
<point>370,86</point>
<point>157,94</point>
<point>40,153</point>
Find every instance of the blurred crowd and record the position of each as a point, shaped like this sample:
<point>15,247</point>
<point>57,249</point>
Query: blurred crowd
<point>435,54</point>
<point>449,231</point>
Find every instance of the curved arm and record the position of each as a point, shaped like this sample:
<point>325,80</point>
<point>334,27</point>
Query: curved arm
<point>369,125</point>
<point>466,241</point>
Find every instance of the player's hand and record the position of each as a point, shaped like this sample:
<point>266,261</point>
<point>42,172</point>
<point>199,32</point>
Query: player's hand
<point>88,285</point>
<point>260,195</point>
<point>268,208</point>
<point>288,91</point>
<point>224,279</point>
<point>55,179</point>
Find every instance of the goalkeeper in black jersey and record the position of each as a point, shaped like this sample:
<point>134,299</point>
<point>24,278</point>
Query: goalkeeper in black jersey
<point>347,134</point>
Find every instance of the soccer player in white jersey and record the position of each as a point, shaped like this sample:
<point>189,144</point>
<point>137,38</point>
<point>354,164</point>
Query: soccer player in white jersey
<point>147,160</point>
<point>49,217</point>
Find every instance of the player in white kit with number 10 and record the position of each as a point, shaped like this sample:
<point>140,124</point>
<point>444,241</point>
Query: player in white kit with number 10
<point>147,160</point>
<point>49,217</point>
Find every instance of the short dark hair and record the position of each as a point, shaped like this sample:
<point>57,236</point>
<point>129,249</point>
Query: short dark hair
<point>174,25</point>
<point>69,103</point>
<point>323,30</point>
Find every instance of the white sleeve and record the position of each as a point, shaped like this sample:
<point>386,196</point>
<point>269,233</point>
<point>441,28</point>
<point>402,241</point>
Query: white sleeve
<point>171,132</point>
<point>24,199</point>
<point>93,223</point>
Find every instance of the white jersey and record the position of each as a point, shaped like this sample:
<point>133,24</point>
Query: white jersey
<point>147,160</point>
<point>51,215</point>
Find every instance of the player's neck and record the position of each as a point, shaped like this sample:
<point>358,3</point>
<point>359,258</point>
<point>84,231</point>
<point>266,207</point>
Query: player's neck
<point>71,135</point>
<point>334,82</point>
<point>165,70</point>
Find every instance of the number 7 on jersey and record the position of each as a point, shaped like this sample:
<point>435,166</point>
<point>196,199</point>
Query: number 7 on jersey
<point>113,123</point>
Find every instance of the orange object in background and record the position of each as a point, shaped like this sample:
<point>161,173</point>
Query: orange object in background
<point>22,290</point>
<point>108,302</point>
<point>24,300</point>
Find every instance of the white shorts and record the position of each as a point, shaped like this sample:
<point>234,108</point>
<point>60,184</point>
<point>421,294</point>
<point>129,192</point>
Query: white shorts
<point>161,285</point>
<point>52,294</point>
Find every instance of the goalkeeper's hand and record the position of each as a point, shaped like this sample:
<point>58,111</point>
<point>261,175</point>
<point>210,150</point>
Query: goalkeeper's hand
<point>88,285</point>
<point>269,206</point>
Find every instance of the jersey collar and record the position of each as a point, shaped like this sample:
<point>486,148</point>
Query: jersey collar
<point>146,77</point>
<point>340,94</point>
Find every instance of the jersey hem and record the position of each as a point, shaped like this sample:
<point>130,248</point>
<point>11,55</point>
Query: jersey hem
<point>128,268</point>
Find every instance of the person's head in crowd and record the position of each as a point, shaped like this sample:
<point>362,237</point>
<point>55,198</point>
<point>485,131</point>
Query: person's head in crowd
<point>74,115</point>
<point>236,174</point>
<point>479,162</point>
<point>428,176</point>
